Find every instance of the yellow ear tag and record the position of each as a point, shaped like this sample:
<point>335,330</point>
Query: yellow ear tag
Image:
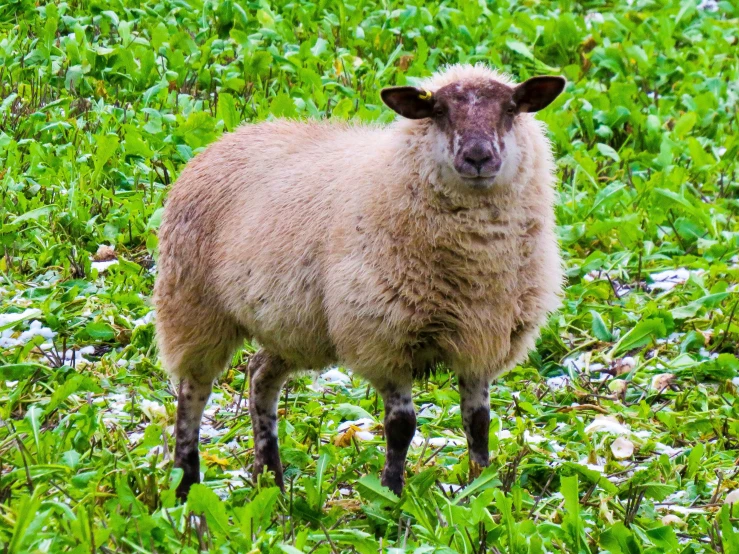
<point>425,95</point>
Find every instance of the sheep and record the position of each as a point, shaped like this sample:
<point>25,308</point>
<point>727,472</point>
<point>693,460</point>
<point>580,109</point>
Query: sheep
<point>391,250</point>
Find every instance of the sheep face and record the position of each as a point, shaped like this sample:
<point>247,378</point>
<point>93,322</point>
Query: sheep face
<point>471,124</point>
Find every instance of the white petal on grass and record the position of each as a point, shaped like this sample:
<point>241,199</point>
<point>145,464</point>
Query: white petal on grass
<point>600,467</point>
<point>667,450</point>
<point>417,440</point>
<point>36,329</point>
<point>672,338</point>
<point>363,428</point>
<point>207,431</point>
<point>102,267</point>
<point>581,363</point>
<point>622,448</point>
<point>607,424</point>
<point>438,442</point>
<point>429,410</point>
<point>576,364</point>
<point>628,362</point>
<point>450,488</point>
<point>25,314</point>
<point>7,340</point>
<point>668,280</point>
<point>145,320</point>
<point>558,383</point>
<point>363,423</point>
<point>533,439</point>
<point>334,376</point>
<point>710,6</point>
<point>238,474</point>
<point>681,509</point>
<point>153,411</point>
<point>732,497</point>
<point>73,357</point>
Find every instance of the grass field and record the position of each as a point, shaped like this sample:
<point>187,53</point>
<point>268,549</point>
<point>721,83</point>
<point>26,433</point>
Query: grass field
<point>621,432</point>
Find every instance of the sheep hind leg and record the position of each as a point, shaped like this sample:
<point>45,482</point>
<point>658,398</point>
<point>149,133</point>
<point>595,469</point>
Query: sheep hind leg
<point>400,427</point>
<point>191,399</point>
<point>475,404</point>
<point>267,374</point>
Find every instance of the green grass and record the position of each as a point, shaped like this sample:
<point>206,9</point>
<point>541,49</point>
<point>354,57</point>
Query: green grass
<point>101,105</point>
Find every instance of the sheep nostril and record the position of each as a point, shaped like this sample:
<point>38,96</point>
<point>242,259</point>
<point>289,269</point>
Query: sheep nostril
<point>478,161</point>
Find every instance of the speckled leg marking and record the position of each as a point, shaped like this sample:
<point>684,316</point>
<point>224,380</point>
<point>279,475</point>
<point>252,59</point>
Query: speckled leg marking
<point>267,375</point>
<point>191,400</point>
<point>475,404</point>
<point>400,426</point>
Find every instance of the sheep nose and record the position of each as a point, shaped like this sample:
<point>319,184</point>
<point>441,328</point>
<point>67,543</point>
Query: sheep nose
<point>479,155</point>
<point>478,160</point>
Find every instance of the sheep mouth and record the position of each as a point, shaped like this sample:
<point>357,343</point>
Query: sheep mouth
<point>479,182</point>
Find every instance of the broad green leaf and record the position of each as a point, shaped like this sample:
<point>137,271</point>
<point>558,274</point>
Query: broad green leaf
<point>608,151</point>
<point>352,412</point>
<point>685,124</point>
<point>642,334</point>
<point>619,540</point>
<point>487,479</point>
<point>598,327</point>
<point>202,500</point>
<point>105,147</point>
<point>99,330</point>
<point>694,459</point>
<point>370,488</point>
<point>227,111</point>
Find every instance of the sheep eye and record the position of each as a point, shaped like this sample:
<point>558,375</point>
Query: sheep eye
<point>438,111</point>
<point>511,110</point>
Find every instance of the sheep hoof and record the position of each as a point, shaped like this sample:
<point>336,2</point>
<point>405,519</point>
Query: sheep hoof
<point>476,469</point>
<point>393,481</point>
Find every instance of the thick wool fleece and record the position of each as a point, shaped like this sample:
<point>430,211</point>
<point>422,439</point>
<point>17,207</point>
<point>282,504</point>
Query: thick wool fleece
<point>338,243</point>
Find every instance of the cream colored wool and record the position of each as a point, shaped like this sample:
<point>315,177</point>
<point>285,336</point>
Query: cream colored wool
<point>356,244</point>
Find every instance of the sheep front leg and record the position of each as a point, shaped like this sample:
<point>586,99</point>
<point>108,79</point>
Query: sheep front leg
<point>400,427</point>
<point>475,403</point>
<point>267,375</point>
<point>191,399</point>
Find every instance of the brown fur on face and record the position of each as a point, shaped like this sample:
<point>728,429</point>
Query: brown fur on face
<point>475,118</point>
<point>332,243</point>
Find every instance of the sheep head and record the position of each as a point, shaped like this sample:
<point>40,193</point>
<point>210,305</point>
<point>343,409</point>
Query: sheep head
<point>473,122</point>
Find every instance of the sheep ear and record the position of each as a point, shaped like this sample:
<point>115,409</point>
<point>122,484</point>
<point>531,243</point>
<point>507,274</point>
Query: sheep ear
<point>410,102</point>
<point>537,93</point>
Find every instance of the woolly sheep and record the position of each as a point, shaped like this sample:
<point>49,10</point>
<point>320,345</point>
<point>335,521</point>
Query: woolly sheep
<point>389,249</point>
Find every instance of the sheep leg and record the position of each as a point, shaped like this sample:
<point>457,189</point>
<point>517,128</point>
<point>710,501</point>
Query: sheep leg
<point>475,403</point>
<point>191,399</point>
<point>267,375</point>
<point>400,427</point>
